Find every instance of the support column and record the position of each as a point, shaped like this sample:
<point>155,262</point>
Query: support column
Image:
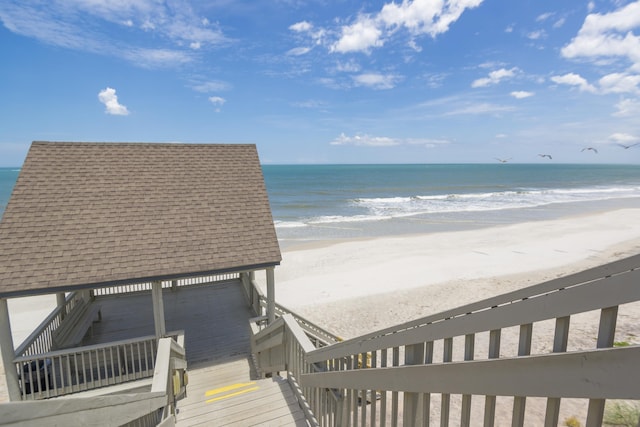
<point>158,309</point>
<point>60,302</point>
<point>271,296</point>
<point>8,353</point>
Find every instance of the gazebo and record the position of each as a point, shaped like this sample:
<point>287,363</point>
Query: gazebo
<point>89,216</point>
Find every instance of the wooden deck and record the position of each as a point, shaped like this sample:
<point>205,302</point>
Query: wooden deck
<point>223,389</point>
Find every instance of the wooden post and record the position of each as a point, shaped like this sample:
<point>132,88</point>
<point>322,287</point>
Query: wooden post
<point>271,296</point>
<point>158,309</point>
<point>60,302</point>
<point>8,353</point>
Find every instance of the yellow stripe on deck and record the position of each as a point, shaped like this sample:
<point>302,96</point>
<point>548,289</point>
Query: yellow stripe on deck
<point>246,386</point>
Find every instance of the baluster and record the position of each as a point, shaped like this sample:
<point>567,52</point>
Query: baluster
<point>560,340</point>
<point>606,335</point>
<point>469,347</point>
<point>374,393</point>
<point>412,411</point>
<point>383,397</point>
<point>447,356</point>
<point>394,394</point>
<point>524,349</point>
<point>490,401</point>
<point>426,397</point>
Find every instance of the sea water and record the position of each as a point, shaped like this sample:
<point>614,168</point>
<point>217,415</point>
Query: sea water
<point>358,201</point>
<point>318,202</point>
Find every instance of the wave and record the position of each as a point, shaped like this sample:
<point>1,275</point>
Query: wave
<point>381,208</point>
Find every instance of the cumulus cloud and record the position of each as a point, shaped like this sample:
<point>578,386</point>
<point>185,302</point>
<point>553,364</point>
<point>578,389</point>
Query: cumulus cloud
<point>573,79</point>
<point>608,35</point>
<point>217,101</point>
<point>521,94</point>
<point>376,81</point>
<point>495,77</point>
<point>369,31</point>
<point>110,100</point>
<point>364,140</point>
<point>610,83</point>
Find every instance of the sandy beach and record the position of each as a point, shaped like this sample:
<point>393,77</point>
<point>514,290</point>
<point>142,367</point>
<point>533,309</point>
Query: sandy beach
<point>358,286</point>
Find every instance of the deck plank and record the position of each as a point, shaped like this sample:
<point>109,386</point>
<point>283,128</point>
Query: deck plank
<point>217,342</point>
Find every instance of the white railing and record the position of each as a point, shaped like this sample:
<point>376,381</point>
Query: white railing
<point>389,377</point>
<point>166,284</point>
<point>61,372</point>
<point>40,340</point>
<point>154,407</point>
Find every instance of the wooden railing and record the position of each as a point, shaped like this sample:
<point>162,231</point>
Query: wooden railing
<point>389,377</point>
<point>153,407</point>
<point>40,340</point>
<point>68,371</point>
<point>167,284</point>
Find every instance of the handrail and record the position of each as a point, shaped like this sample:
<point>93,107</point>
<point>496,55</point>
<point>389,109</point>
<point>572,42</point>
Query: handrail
<point>72,370</point>
<point>40,340</point>
<point>151,408</point>
<point>392,373</point>
<point>578,296</point>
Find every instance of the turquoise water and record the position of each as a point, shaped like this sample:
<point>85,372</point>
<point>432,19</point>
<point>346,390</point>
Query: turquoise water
<point>311,202</point>
<point>346,201</point>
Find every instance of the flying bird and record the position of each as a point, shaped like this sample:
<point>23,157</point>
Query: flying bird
<point>546,155</point>
<point>628,146</point>
<point>590,148</point>
<point>503,160</point>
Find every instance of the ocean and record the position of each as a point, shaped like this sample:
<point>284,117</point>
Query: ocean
<point>323,202</point>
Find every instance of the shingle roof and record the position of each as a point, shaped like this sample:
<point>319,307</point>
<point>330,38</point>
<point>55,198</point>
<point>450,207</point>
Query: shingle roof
<point>98,213</point>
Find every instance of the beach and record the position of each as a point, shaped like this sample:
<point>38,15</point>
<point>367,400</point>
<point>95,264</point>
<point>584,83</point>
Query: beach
<point>357,286</point>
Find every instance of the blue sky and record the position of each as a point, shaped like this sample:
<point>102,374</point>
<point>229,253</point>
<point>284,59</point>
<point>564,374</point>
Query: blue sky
<point>314,81</point>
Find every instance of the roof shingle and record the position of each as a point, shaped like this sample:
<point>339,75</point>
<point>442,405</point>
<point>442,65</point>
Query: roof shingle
<point>98,213</point>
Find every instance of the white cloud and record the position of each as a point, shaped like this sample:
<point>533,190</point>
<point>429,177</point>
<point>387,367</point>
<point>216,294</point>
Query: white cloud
<point>175,29</point>
<point>109,98</point>
<point>479,108</point>
<point>298,51</point>
<point>628,108</point>
<point>573,79</point>
<point>360,36</point>
<point>301,27</point>
<point>211,86</point>
<point>611,83</point>
<point>619,83</point>
<point>418,17</point>
<point>217,102</point>
<point>375,81</point>
<point>348,67</point>
<point>537,35</point>
<point>623,138</point>
<point>608,35</point>
<point>494,77</point>
<point>365,140</point>
<point>521,94</point>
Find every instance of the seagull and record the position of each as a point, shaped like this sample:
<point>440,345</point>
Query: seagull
<point>503,160</point>
<point>590,148</point>
<point>628,146</point>
<point>546,155</point>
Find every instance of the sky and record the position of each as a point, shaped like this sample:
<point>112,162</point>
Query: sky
<point>315,81</point>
